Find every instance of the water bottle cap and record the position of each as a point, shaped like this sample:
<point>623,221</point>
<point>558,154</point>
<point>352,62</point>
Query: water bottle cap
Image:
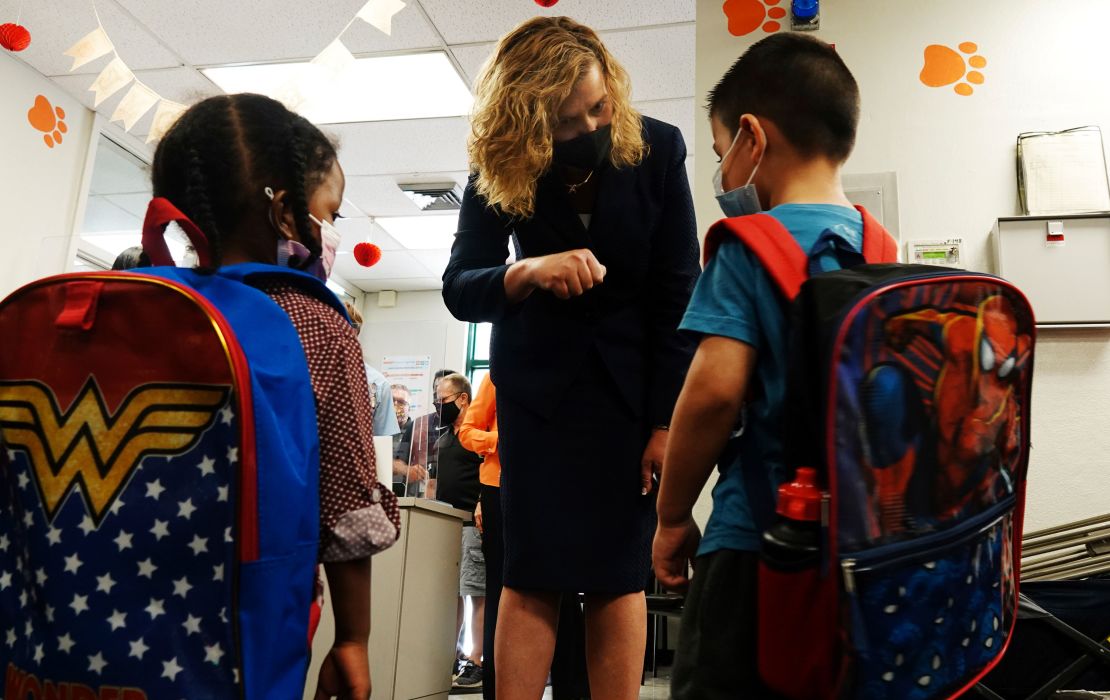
<point>801,498</point>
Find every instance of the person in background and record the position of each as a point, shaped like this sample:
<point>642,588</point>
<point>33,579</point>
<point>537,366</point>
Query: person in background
<point>131,258</point>
<point>403,472</point>
<point>264,186</point>
<point>457,483</point>
<point>585,348</point>
<point>413,462</point>
<point>381,391</point>
<point>784,121</point>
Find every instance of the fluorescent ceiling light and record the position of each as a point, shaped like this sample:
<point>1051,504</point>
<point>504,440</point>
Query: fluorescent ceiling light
<point>421,232</point>
<point>411,86</point>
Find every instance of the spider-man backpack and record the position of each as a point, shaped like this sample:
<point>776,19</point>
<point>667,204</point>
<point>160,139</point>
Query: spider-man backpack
<point>908,393</point>
<point>158,484</point>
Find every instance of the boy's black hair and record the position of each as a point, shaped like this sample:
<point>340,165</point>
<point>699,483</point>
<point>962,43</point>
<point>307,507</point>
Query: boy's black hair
<point>801,85</point>
<point>216,161</point>
<point>131,258</point>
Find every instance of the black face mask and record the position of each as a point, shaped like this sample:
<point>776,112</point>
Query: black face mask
<point>448,413</point>
<point>587,151</point>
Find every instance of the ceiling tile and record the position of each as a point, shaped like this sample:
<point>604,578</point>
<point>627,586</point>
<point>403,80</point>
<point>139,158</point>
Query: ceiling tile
<point>434,260</point>
<point>58,24</point>
<point>102,216</point>
<point>402,147</point>
<point>185,85</point>
<point>660,60</point>
<point>471,58</point>
<point>487,21</point>
<point>394,263</point>
<point>133,204</point>
<point>410,284</point>
<point>680,113</point>
<point>411,31</point>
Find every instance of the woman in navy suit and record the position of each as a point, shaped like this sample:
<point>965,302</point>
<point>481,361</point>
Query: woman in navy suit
<point>585,349</point>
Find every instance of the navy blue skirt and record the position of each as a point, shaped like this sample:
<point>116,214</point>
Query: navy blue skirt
<point>573,516</point>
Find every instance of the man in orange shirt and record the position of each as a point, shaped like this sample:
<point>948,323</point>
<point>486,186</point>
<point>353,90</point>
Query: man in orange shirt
<point>478,433</point>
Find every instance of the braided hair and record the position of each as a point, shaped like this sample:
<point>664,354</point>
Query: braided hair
<point>216,161</point>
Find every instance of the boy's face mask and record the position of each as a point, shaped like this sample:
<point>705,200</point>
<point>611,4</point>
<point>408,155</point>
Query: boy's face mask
<point>294,254</point>
<point>743,200</point>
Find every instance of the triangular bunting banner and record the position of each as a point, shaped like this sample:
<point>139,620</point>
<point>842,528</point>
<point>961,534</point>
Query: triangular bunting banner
<point>379,13</point>
<point>164,117</point>
<point>137,102</point>
<point>115,76</point>
<point>335,59</point>
<point>94,45</point>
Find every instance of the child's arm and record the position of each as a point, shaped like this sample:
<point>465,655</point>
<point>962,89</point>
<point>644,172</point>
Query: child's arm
<point>346,670</point>
<point>703,418</point>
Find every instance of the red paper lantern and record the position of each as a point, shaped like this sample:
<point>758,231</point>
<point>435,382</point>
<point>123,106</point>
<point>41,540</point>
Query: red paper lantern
<point>14,37</point>
<point>546,3</point>
<point>367,254</point>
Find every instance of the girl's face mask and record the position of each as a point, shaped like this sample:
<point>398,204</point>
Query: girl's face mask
<point>294,254</point>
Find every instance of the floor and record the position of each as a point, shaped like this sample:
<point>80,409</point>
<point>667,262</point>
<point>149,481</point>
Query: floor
<point>654,689</point>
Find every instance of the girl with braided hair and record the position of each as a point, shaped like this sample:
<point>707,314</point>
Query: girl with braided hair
<point>264,185</point>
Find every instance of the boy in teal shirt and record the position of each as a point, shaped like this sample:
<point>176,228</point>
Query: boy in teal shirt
<point>784,121</point>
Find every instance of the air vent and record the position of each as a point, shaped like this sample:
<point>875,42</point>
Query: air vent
<point>438,196</point>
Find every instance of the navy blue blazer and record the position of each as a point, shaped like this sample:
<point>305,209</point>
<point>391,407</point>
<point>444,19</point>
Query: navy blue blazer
<point>642,229</point>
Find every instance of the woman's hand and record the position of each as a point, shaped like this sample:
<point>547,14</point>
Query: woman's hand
<point>345,673</point>
<point>652,461</point>
<point>565,275</point>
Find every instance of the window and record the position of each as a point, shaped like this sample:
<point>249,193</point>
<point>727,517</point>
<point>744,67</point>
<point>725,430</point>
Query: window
<point>477,353</point>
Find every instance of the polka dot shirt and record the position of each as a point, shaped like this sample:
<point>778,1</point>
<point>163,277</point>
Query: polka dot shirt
<point>358,516</point>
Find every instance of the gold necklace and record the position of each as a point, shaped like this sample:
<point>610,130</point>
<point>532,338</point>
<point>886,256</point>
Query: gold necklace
<point>571,189</point>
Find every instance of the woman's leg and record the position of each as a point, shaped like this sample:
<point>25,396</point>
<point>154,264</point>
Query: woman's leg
<point>616,635</point>
<point>525,641</point>
<point>494,550</point>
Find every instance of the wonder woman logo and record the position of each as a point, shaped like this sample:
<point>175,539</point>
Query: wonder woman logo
<point>87,447</point>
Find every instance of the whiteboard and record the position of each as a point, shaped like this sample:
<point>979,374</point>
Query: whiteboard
<point>1067,282</point>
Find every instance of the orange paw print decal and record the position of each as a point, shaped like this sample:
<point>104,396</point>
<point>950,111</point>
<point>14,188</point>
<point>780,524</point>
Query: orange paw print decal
<point>746,16</point>
<point>48,119</point>
<point>944,66</point>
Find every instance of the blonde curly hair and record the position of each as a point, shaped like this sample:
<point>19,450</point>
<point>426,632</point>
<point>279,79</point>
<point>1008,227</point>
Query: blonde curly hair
<point>518,94</point>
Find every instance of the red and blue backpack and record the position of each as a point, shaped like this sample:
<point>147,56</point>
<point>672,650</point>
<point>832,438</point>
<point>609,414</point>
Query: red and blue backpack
<point>158,486</point>
<point>908,395</point>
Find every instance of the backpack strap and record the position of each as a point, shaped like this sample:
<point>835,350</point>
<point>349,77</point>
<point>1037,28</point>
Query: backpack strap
<point>770,241</point>
<point>785,261</point>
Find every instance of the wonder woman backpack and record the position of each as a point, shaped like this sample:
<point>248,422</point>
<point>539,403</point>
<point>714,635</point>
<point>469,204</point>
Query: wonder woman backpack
<point>908,406</point>
<point>158,486</point>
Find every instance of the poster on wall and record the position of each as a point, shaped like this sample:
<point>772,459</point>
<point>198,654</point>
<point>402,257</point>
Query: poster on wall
<point>415,372</point>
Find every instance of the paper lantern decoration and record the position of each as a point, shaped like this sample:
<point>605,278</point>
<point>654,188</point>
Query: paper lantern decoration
<point>367,254</point>
<point>14,37</point>
<point>546,3</point>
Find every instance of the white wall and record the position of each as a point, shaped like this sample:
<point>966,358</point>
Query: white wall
<point>39,186</point>
<point>418,325</point>
<point>955,160</point>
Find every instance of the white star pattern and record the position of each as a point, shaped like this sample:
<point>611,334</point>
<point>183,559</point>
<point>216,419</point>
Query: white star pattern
<point>213,654</point>
<point>11,455</point>
<point>5,580</point>
<point>24,480</point>
<point>123,540</point>
<point>154,489</point>
<point>221,494</point>
<point>117,619</point>
<point>181,587</point>
<point>97,663</point>
<point>80,604</point>
<point>207,466</point>
<point>218,572</point>
<point>40,575</point>
<point>198,545</point>
<point>185,508</point>
<point>233,454</point>
<point>29,519</point>
<point>54,535</point>
<point>155,608</point>
<point>170,669</point>
<point>104,583</point>
<point>23,601</point>
<point>65,643</point>
<point>49,613</point>
<point>138,648</point>
<point>73,563</point>
<point>160,529</point>
<point>227,535</point>
<point>28,629</point>
<point>38,653</point>
<point>11,637</point>
<point>226,415</point>
<point>4,542</point>
<point>87,525</point>
<point>191,625</point>
<point>116,506</point>
<point>147,568</point>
